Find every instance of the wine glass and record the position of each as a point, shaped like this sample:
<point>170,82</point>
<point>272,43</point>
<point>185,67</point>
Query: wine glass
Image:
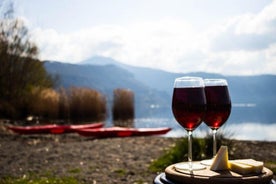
<point>188,106</point>
<point>218,108</point>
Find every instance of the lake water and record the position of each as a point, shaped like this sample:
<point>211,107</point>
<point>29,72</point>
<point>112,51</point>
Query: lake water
<point>248,121</point>
<point>241,131</point>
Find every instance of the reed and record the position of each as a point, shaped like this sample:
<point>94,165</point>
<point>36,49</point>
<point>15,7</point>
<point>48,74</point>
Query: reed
<point>123,107</point>
<point>86,105</point>
<point>45,103</point>
<point>64,107</point>
<point>73,105</point>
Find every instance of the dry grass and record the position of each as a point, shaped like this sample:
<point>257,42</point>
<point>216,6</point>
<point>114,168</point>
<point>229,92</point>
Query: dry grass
<point>72,105</point>
<point>123,107</point>
<point>86,104</point>
<point>77,105</point>
<point>45,103</point>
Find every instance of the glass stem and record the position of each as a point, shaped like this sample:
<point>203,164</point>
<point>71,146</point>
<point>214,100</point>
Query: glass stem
<point>214,142</point>
<point>190,155</point>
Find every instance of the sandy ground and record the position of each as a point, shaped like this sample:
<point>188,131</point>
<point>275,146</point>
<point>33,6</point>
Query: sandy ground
<point>113,160</point>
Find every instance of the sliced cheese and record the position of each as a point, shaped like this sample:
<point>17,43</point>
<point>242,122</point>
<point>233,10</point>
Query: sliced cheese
<point>240,168</point>
<point>257,165</point>
<point>246,166</point>
<point>221,160</point>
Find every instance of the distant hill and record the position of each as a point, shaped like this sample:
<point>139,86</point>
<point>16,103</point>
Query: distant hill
<point>105,79</point>
<point>100,60</point>
<point>253,97</point>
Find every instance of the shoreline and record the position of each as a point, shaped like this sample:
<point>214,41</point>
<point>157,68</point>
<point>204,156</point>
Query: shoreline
<point>111,160</point>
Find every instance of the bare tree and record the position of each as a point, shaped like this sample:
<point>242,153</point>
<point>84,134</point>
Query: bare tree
<point>20,69</point>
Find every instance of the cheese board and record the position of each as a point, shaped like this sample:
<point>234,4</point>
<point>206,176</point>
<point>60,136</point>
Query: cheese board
<point>207,176</point>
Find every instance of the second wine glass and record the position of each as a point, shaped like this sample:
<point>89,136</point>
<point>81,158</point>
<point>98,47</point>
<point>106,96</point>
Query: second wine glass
<point>218,107</point>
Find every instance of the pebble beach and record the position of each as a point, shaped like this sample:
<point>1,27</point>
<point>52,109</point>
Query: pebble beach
<point>89,160</point>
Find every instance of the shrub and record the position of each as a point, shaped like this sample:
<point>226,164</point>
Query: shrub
<point>202,149</point>
<point>178,153</point>
<point>220,139</point>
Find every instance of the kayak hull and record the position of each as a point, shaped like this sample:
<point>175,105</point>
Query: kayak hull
<point>122,132</point>
<point>52,128</point>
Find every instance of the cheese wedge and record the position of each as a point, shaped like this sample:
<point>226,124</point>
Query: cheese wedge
<point>246,166</point>
<point>221,160</point>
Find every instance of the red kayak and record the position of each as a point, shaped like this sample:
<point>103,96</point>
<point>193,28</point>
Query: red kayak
<point>72,128</point>
<point>52,128</point>
<point>122,132</point>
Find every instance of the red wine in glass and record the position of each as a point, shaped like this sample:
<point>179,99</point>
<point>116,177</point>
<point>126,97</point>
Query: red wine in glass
<point>188,107</point>
<point>218,107</point>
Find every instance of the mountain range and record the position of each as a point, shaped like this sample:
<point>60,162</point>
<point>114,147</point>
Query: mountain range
<point>253,97</point>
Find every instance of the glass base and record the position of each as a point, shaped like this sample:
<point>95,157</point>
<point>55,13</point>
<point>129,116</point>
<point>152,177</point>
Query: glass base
<point>208,162</point>
<point>189,167</point>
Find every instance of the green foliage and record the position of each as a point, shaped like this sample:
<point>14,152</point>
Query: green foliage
<point>38,180</point>
<point>74,171</point>
<point>221,140</point>
<point>120,172</point>
<point>271,165</point>
<point>179,152</point>
<point>44,178</point>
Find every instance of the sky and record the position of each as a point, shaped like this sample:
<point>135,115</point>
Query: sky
<point>219,36</point>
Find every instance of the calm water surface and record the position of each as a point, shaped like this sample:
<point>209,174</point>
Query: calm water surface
<point>241,131</point>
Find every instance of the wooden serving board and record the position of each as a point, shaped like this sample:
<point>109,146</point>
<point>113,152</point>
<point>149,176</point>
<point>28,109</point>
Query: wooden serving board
<point>207,176</point>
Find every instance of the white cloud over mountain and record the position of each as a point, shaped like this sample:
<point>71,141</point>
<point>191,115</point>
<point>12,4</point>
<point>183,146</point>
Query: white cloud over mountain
<point>245,44</point>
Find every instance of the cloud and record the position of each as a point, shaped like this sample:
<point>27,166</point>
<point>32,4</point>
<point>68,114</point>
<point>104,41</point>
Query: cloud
<point>242,45</point>
<point>262,23</point>
<point>248,32</point>
<point>245,44</point>
<point>75,47</point>
<point>141,43</point>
